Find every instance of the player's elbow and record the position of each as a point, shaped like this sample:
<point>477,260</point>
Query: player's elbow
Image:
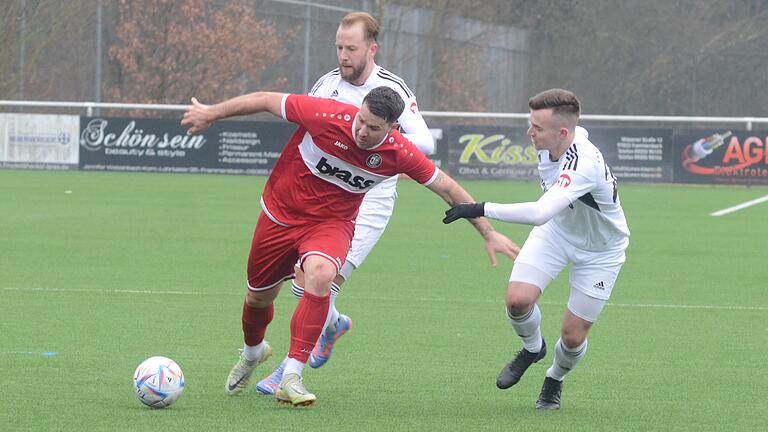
<point>539,217</point>
<point>428,146</point>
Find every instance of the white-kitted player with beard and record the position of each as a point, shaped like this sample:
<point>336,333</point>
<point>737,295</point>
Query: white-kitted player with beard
<point>356,75</point>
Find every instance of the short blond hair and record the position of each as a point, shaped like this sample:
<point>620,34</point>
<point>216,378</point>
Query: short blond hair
<point>370,25</point>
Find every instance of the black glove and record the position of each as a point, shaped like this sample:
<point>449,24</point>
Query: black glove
<point>467,211</point>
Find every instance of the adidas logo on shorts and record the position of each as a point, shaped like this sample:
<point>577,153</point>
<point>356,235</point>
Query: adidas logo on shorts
<point>599,285</point>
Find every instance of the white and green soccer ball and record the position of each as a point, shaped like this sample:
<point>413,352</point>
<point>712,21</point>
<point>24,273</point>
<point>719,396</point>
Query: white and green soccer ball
<point>158,382</point>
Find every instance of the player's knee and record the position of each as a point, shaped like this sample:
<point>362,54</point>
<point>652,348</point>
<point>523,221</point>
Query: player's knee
<point>259,299</point>
<point>517,307</point>
<point>319,271</point>
<point>520,299</point>
<point>318,275</point>
<point>572,338</point>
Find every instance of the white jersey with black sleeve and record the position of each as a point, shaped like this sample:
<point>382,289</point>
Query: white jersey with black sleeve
<point>412,124</point>
<point>580,201</point>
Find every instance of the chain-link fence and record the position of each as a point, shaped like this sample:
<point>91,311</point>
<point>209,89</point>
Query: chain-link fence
<point>656,57</point>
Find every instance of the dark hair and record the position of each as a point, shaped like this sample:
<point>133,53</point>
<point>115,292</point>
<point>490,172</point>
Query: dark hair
<point>370,25</point>
<point>561,101</point>
<point>384,102</point>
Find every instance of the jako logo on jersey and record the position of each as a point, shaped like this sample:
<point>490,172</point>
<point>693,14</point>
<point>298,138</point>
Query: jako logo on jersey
<point>564,180</point>
<point>341,146</point>
<point>373,161</point>
<point>355,181</point>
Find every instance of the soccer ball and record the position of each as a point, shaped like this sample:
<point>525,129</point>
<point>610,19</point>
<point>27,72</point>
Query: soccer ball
<point>158,382</point>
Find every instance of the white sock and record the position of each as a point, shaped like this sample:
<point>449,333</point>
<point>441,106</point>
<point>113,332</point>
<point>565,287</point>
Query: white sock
<point>528,327</point>
<point>252,353</point>
<point>293,366</point>
<point>331,323</point>
<point>565,359</point>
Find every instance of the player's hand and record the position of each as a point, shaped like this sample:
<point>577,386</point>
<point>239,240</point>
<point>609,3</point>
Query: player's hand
<point>499,243</point>
<point>466,211</point>
<point>198,117</point>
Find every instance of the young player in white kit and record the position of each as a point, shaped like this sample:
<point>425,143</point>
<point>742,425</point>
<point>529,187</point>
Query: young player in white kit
<point>356,75</point>
<point>578,220</point>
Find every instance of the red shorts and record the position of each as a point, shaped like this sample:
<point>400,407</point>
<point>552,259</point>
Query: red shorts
<point>275,249</point>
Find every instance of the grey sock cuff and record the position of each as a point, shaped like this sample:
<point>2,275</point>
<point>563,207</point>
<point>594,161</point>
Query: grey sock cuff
<point>523,317</point>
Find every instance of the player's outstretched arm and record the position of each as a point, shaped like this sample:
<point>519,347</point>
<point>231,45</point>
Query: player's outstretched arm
<point>532,213</point>
<point>452,193</point>
<point>199,117</point>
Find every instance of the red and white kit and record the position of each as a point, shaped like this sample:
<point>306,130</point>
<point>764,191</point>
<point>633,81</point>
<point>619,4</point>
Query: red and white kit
<point>314,192</point>
<point>379,203</point>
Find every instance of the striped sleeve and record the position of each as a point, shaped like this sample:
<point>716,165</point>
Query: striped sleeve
<point>396,81</point>
<point>577,177</point>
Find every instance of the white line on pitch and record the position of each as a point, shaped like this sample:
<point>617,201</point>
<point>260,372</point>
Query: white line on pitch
<point>105,291</point>
<point>744,205</point>
<point>381,298</point>
<point>683,306</point>
<point>609,304</point>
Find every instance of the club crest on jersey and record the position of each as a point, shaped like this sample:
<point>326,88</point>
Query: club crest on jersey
<point>324,167</point>
<point>373,161</point>
<point>564,180</point>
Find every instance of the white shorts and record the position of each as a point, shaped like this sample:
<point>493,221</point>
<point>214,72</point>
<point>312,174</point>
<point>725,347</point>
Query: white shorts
<point>375,211</point>
<point>593,273</point>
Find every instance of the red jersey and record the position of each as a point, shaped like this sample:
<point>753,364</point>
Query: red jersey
<point>322,174</point>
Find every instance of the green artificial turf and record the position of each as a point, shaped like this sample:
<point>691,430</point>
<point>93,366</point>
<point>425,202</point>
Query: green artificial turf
<point>101,270</point>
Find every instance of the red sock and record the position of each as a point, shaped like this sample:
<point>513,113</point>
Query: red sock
<point>307,324</point>
<point>255,322</point>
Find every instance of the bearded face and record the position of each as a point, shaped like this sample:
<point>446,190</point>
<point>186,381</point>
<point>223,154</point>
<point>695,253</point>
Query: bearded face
<point>355,53</point>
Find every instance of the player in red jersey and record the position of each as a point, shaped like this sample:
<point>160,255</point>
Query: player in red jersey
<point>337,154</point>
